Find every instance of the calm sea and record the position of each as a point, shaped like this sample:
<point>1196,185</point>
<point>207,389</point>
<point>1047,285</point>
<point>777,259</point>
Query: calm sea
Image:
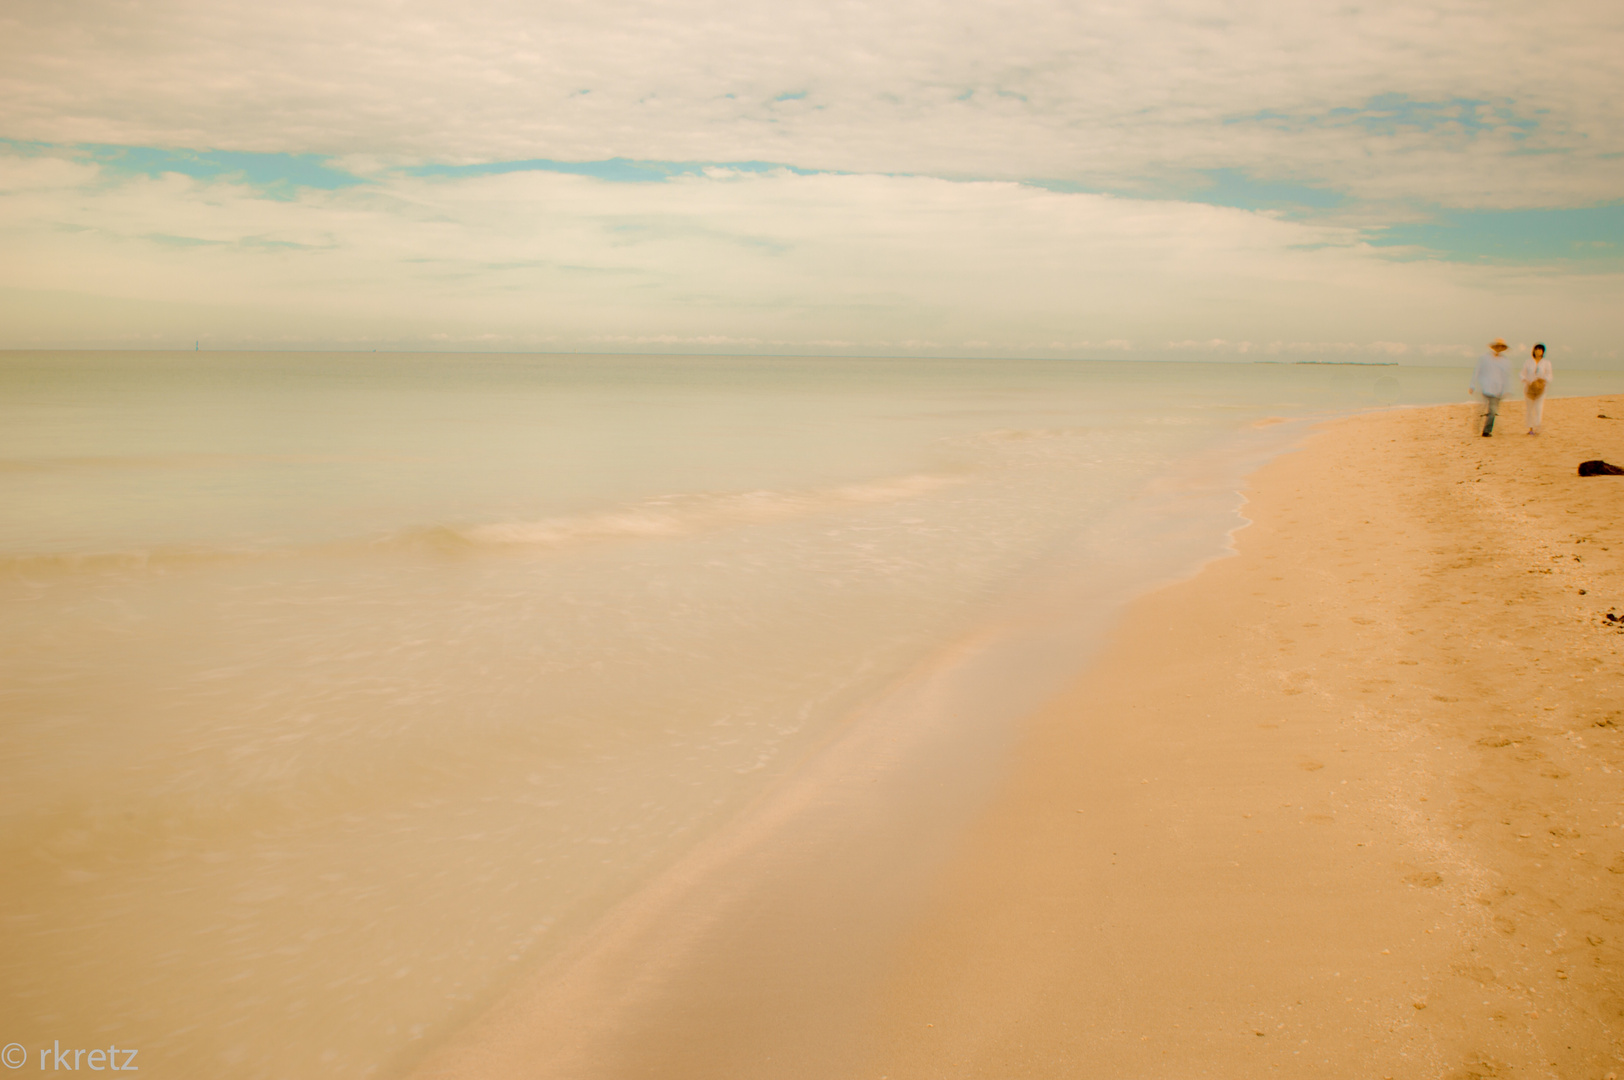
<point>338,690</point>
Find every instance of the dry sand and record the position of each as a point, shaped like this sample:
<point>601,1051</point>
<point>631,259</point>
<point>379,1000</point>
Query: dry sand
<point>1346,805</point>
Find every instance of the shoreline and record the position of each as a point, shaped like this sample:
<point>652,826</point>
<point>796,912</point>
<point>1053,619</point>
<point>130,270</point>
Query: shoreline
<point>1347,804</point>
<point>1282,824</point>
<point>775,930</point>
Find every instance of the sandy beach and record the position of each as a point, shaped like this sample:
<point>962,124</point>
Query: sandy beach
<point>740,541</point>
<point>1347,804</point>
<point>1344,804</point>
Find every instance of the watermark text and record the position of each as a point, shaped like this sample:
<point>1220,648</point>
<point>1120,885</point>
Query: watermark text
<point>72,1059</point>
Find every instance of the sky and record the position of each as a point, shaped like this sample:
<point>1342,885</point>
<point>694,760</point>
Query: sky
<point>1282,179</point>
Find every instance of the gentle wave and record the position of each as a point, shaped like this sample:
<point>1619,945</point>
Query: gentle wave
<point>673,515</point>
<point>680,515</point>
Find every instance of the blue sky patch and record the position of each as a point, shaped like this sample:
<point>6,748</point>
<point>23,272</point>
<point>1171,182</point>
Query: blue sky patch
<point>1219,187</point>
<point>1231,187</point>
<point>276,175</point>
<point>614,170</point>
<point>1592,232</point>
<point>1065,187</point>
<point>282,175</point>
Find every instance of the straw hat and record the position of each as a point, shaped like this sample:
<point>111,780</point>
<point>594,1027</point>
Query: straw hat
<point>1499,343</point>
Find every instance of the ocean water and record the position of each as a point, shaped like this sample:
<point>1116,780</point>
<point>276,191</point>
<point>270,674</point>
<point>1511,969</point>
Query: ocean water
<point>338,692</point>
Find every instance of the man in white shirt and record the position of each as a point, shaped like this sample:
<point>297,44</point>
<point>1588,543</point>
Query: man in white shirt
<point>1491,379</point>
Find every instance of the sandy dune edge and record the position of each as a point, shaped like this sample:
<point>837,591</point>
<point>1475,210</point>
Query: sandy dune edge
<point>1347,804</point>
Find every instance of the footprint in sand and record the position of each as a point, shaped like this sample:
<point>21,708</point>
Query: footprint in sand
<point>1472,971</point>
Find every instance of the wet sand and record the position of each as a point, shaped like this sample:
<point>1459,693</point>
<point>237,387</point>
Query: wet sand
<point>1348,804</point>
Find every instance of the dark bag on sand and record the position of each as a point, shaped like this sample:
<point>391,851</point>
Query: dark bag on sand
<point>1599,468</point>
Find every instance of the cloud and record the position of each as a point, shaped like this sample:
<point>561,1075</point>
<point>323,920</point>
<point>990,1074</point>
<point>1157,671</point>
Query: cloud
<point>767,261</point>
<point>1464,104</point>
<point>1172,177</point>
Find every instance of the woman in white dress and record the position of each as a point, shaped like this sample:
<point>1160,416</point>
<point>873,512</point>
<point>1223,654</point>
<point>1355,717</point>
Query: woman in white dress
<point>1536,379</point>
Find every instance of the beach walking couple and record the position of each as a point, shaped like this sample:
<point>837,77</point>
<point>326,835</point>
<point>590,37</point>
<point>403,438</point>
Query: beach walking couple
<point>1492,379</point>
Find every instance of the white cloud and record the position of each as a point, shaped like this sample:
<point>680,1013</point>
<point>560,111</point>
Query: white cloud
<point>766,262</point>
<point>1114,94</point>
